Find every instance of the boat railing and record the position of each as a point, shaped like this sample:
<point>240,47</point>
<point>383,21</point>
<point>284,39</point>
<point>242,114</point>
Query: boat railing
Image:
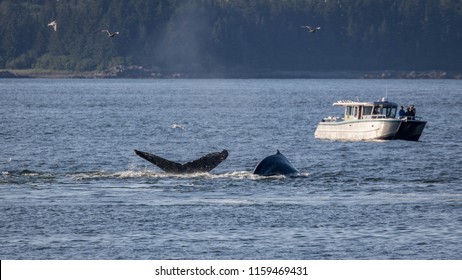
<point>331,119</point>
<point>374,117</point>
<point>411,118</point>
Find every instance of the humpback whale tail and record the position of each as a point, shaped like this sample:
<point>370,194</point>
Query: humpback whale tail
<point>203,164</point>
<point>276,164</point>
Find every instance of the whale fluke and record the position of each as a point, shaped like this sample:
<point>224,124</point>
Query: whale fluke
<point>276,164</point>
<point>203,164</point>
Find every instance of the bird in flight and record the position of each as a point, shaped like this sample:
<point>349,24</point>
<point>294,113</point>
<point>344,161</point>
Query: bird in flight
<point>109,33</point>
<point>53,25</point>
<point>311,29</point>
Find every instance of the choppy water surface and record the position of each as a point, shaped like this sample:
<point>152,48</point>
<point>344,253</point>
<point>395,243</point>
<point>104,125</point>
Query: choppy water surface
<point>71,186</point>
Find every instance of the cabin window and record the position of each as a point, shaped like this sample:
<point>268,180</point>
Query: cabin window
<point>377,111</point>
<point>355,111</point>
<point>367,110</point>
<point>390,112</point>
<point>348,111</point>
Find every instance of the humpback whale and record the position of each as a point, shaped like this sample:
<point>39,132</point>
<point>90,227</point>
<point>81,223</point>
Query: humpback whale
<point>203,164</point>
<point>276,164</point>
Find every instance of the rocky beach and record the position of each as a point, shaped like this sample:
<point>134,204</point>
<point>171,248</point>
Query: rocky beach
<point>140,72</point>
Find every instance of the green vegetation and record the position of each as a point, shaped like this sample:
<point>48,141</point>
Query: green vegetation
<point>222,36</point>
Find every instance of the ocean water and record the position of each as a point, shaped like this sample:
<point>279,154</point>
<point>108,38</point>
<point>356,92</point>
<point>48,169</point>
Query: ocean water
<point>71,186</point>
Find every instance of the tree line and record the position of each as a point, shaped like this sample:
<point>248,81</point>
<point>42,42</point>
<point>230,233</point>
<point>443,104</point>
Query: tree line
<point>232,35</point>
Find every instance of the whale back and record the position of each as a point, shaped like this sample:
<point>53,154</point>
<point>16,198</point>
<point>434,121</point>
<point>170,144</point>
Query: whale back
<point>276,164</point>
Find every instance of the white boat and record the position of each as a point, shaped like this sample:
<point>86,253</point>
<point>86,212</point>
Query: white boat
<point>361,121</point>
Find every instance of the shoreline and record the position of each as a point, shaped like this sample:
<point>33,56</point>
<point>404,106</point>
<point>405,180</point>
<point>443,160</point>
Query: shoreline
<point>138,72</point>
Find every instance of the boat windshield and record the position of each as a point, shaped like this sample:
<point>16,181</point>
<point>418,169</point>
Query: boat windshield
<point>378,111</point>
<point>388,112</point>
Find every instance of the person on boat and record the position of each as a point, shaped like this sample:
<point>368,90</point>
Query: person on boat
<point>413,111</point>
<point>410,114</point>
<point>401,112</point>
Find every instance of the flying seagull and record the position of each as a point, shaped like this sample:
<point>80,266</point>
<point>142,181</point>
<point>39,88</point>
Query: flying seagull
<point>109,33</point>
<point>311,29</point>
<point>53,25</point>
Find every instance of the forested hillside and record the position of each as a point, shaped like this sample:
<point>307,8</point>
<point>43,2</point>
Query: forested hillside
<point>207,36</point>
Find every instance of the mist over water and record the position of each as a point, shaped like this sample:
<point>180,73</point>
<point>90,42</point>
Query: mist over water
<point>71,186</point>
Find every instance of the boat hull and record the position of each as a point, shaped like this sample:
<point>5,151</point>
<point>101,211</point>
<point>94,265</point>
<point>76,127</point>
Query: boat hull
<point>358,130</point>
<point>410,130</point>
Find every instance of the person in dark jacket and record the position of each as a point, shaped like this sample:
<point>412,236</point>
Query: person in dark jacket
<point>401,112</point>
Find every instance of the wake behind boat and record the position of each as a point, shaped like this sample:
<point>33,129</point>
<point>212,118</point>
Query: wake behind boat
<point>369,121</point>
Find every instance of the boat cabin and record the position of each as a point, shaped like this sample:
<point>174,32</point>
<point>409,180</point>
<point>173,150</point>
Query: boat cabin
<point>368,110</point>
